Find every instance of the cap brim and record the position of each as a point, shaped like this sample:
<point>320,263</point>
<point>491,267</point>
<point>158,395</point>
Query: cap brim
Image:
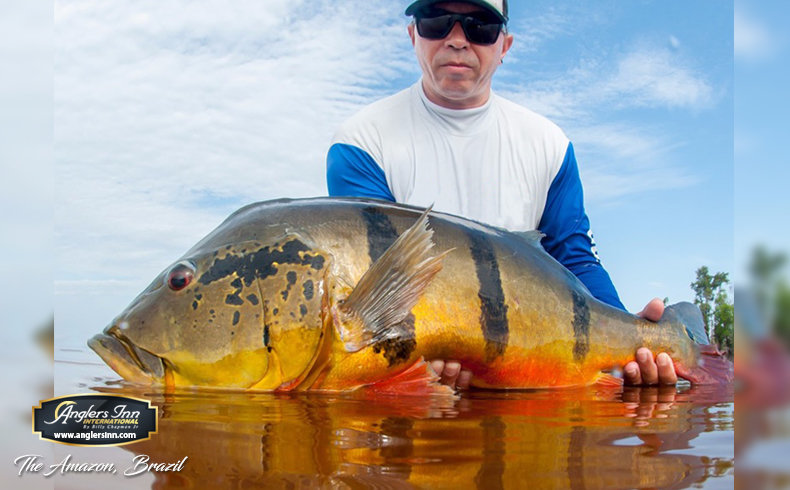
<point>416,6</point>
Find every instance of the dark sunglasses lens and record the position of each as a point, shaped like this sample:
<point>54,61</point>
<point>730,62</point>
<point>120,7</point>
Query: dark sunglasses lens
<point>435,27</point>
<point>481,33</point>
<point>476,30</point>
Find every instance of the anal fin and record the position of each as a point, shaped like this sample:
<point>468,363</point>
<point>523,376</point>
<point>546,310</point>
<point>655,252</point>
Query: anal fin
<point>606,380</point>
<point>418,380</point>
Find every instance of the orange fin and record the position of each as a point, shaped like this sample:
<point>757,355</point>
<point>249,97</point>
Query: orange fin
<point>606,380</point>
<point>418,380</point>
<point>713,367</point>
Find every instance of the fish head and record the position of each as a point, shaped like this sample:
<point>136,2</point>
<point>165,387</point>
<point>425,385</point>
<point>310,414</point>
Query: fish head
<point>245,315</point>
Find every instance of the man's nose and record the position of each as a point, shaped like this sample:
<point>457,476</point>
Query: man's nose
<point>457,38</point>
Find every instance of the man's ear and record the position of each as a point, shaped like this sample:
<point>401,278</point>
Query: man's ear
<point>411,32</point>
<point>506,44</point>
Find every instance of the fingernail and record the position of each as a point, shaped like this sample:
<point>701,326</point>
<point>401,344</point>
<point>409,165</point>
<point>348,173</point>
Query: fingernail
<point>662,359</point>
<point>630,371</point>
<point>642,356</point>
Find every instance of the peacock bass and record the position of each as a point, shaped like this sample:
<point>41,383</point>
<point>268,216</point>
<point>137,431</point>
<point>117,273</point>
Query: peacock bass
<point>337,294</point>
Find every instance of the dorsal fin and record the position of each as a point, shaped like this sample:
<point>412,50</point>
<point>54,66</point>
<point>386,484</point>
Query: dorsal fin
<point>386,293</point>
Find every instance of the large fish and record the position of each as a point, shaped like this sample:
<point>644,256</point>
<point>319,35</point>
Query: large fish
<point>337,294</point>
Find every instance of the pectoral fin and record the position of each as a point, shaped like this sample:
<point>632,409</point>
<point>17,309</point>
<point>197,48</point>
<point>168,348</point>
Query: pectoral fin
<point>386,293</point>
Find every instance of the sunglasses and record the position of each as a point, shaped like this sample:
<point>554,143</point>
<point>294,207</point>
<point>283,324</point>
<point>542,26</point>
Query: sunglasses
<point>478,28</point>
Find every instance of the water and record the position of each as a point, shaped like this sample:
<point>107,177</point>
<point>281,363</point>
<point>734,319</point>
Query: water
<point>581,438</point>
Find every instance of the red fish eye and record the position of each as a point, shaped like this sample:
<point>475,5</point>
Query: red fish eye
<point>180,276</point>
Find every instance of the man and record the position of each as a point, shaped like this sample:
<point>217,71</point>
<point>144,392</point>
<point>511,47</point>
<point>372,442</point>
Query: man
<point>449,141</point>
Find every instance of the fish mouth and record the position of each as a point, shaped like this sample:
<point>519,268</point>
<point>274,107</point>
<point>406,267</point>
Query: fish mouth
<point>133,363</point>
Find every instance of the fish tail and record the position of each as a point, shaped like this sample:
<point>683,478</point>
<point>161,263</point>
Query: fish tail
<point>713,366</point>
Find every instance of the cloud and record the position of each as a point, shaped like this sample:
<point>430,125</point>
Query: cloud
<point>655,78</point>
<point>753,39</point>
<point>181,113</point>
<point>618,161</point>
<point>620,158</point>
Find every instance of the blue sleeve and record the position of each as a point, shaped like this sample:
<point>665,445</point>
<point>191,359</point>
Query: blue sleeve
<point>352,172</point>
<point>568,237</point>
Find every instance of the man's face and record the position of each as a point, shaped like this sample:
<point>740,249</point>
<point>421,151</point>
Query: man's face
<point>457,73</point>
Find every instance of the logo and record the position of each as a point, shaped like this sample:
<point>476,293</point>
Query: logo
<point>95,420</point>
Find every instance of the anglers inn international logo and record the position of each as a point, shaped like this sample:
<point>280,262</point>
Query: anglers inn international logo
<point>95,420</point>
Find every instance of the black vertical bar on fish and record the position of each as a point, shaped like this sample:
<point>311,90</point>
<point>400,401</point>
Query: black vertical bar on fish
<point>581,327</point>
<point>381,234</point>
<point>493,310</point>
<point>380,230</point>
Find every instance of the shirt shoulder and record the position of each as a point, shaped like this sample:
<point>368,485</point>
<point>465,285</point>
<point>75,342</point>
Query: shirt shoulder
<point>536,134</point>
<point>536,125</point>
<point>381,117</point>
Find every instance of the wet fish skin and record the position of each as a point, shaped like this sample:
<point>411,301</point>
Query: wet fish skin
<point>271,306</point>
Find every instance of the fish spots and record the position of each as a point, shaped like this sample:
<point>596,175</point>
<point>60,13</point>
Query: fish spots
<point>290,276</point>
<point>196,302</point>
<point>234,300</point>
<point>262,263</point>
<point>399,348</point>
<point>236,317</point>
<point>493,310</point>
<point>252,299</point>
<point>380,230</point>
<point>266,335</point>
<point>308,289</point>
<point>302,310</point>
<point>581,326</point>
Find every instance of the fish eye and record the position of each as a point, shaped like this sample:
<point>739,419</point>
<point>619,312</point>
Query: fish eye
<point>180,276</point>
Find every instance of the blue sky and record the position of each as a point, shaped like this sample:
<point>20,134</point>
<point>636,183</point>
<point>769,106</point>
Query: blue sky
<point>168,116</point>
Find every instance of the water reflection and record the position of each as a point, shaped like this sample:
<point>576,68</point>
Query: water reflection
<point>631,438</point>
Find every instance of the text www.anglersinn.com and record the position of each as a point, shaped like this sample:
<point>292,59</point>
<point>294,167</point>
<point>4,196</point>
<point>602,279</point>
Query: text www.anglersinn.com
<point>95,435</point>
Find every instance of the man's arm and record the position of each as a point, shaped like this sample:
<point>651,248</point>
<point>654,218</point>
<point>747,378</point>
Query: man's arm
<point>568,237</point>
<point>351,171</point>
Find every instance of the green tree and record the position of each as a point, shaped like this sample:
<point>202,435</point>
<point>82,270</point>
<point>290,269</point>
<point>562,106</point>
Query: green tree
<point>723,323</point>
<point>782,318</point>
<point>713,301</point>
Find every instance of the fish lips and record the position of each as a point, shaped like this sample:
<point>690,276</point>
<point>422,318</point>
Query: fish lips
<point>131,362</point>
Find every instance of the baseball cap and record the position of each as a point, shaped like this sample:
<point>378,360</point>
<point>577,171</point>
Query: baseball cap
<point>498,7</point>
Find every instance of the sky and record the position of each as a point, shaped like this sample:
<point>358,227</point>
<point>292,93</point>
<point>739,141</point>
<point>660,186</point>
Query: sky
<point>169,116</point>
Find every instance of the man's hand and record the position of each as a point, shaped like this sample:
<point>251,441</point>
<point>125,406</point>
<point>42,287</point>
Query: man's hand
<point>451,373</point>
<point>645,370</point>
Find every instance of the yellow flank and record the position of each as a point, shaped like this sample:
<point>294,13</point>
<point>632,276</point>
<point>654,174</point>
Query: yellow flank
<point>238,370</point>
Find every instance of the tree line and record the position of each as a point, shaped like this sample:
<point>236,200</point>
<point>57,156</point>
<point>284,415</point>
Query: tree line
<point>768,289</point>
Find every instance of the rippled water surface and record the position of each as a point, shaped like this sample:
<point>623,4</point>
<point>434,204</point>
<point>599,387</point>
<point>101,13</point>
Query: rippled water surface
<point>582,438</point>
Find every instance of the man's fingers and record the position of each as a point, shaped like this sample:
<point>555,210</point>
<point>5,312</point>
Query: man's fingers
<point>647,366</point>
<point>666,370</point>
<point>653,311</point>
<point>464,378</point>
<point>437,366</point>
<point>450,374</point>
<point>631,374</point>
